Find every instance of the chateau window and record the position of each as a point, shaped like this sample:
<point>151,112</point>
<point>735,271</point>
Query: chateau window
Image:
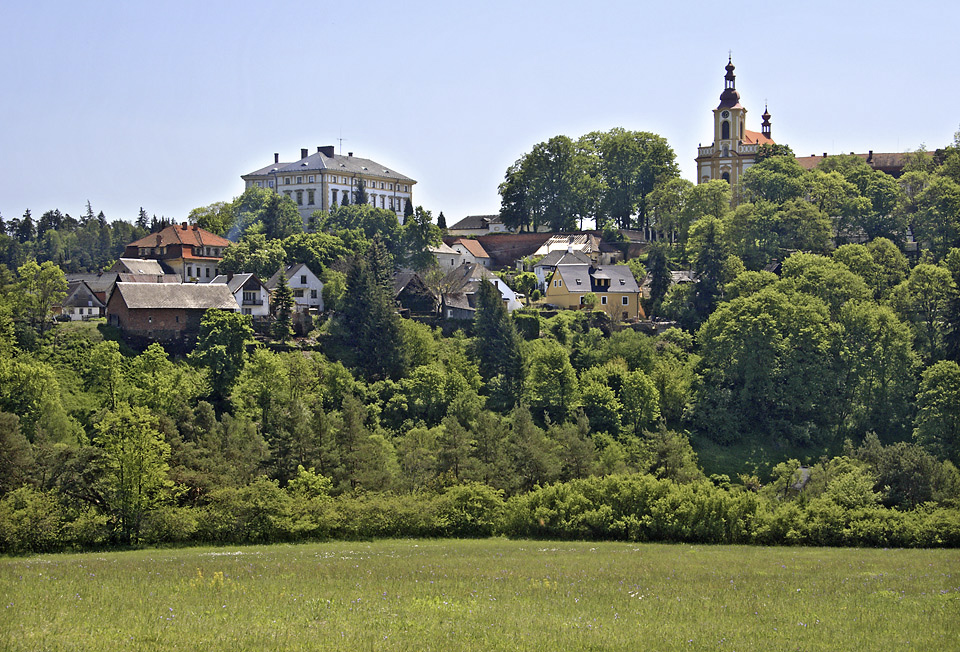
<point>334,196</point>
<point>270,183</point>
<point>310,179</point>
<point>299,179</point>
<point>286,180</point>
<point>725,176</point>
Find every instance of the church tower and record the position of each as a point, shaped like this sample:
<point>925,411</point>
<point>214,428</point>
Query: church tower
<point>734,147</point>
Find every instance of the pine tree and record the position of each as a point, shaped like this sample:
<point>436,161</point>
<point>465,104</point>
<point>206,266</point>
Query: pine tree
<point>360,194</point>
<point>497,348</point>
<point>282,307</point>
<point>407,211</point>
<point>142,221</point>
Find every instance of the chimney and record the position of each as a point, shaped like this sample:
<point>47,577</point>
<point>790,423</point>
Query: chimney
<point>824,155</point>
<point>304,153</point>
<point>196,228</point>
<point>349,153</point>
<point>870,156</point>
<point>184,225</point>
<point>276,157</point>
<point>327,151</point>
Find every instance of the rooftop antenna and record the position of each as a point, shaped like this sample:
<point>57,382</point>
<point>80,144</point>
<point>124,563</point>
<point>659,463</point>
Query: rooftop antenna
<point>341,142</point>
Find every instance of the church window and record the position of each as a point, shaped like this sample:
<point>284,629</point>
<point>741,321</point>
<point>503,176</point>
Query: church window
<point>725,131</point>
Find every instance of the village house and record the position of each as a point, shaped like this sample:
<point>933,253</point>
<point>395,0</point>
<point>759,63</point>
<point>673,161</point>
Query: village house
<point>307,288</point>
<point>412,294</point>
<point>458,300</point>
<point>252,296</point>
<point>183,249</point>
<point>471,251</point>
<point>547,265</point>
<point>165,312</point>
<point>447,257</point>
<point>478,225</point>
<point>81,303</point>
<point>617,291</point>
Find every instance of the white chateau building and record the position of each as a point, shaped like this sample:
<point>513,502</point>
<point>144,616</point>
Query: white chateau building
<point>734,148</point>
<point>324,180</point>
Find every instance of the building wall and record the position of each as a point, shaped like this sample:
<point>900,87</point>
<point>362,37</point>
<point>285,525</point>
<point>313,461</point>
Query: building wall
<point>611,303</point>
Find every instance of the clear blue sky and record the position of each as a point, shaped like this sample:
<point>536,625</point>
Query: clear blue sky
<point>165,104</point>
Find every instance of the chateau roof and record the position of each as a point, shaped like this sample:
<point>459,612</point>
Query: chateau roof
<point>321,162</point>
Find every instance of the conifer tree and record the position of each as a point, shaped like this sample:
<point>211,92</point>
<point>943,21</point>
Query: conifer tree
<point>360,194</point>
<point>283,307</point>
<point>497,348</point>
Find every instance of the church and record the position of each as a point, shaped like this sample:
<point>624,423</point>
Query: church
<point>734,147</point>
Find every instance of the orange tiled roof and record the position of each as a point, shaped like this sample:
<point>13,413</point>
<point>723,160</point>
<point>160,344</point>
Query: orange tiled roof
<point>473,247</point>
<point>756,138</point>
<point>183,234</point>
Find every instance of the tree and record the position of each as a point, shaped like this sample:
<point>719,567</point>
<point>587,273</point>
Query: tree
<point>219,217</point>
<point>407,211</point>
<point>497,348</point>
<point>776,179</point>
<point>825,278</point>
<point>221,347</point>
<point>708,255</point>
<point>136,465</point>
<point>259,210</point>
<point>282,301</point>
<point>659,275</point>
<point>40,287</point>
<point>551,385</point>
<point>767,369</point>
<point>923,300</point>
<point>441,222</point>
<point>937,427</point>
<point>937,221</point>
<point>254,254</point>
<point>360,194</point>
<point>369,324</point>
<point>25,230</point>
<point>419,234</point>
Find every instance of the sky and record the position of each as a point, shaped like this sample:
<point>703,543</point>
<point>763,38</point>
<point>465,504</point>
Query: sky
<point>163,105</point>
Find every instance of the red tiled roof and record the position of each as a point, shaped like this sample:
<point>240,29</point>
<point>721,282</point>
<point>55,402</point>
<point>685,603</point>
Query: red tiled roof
<point>755,137</point>
<point>184,234</point>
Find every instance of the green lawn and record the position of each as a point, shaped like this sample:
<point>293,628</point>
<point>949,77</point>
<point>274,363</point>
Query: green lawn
<point>483,595</point>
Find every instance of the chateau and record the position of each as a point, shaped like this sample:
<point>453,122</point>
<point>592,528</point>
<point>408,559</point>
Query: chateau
<point>324,180</point>
<point>734,147</point>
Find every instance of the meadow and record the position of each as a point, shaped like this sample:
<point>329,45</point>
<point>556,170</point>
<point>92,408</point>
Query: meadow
<point>491,594</point>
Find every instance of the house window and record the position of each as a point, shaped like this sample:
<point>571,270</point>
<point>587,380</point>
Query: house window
<point>149,320</point>
<point>578,282</point>
<point>247,311</point>
<point>603,301</point>
<point>249,297</point>
<point>208,272</point>
<point>298,293</point>
<point>581,299</point>
<point>558,283</point>
<point>303,279</point>
<point>313,294</point>
<point>626,301</point>
<point>177,318</point>
<point>189,271</point>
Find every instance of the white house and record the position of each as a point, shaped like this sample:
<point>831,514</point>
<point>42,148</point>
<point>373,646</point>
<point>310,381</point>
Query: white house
<point>447,257</point>
<point>307,288</point>
<point>252,296</point>
<point>471,251</point>
<point>322,180</point>
<point>81,303</point>
<point>463,283</point>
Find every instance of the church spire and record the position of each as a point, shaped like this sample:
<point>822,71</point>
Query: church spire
<point>765,125</point>
<point>730,98</point>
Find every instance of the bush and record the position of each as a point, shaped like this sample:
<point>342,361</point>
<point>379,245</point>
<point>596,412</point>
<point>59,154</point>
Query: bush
<point>30,521</point>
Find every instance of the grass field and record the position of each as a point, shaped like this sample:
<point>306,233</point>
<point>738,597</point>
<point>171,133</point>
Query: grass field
<point>483,595</point>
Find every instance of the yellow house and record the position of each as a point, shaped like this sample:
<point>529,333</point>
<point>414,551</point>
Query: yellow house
<point>618,293</point>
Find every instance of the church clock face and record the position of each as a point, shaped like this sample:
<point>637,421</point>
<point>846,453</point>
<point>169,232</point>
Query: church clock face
<point>725,115</point>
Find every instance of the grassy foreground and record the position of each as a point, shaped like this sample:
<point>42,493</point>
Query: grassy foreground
<point>483,595</point>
